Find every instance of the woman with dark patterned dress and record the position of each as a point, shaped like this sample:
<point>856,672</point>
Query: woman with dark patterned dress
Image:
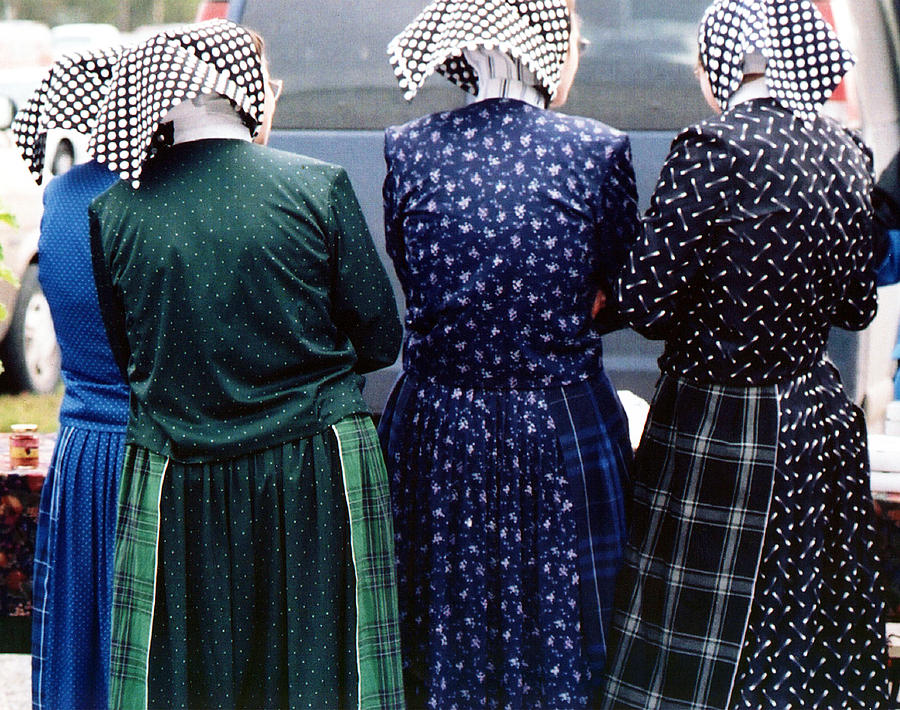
<point>505,440</point>
<point>750,577</point>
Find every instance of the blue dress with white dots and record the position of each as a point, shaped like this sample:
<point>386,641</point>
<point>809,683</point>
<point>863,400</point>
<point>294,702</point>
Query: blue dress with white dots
<point>76,524</point>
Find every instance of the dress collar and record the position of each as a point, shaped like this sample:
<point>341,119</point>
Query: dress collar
<point>499,76</point>
<point>207,116</point>
<point>755,89</point>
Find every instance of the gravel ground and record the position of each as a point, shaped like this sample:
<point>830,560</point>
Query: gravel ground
<point>15,681</point>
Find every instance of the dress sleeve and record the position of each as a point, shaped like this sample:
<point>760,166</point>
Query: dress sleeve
<point>363,306</point>
<point>111,308</point>
<point>393,234</point>
<point>690,195</point>
<point>618,227</point>
<point>857,300</point>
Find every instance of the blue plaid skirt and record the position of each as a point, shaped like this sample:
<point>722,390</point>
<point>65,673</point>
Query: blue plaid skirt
<point>73,569</point>
<point>509,522</point>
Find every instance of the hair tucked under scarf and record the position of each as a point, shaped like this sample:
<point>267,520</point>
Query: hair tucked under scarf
<point>534,32</point>
<point>215,57</point>
<point>805,60</point>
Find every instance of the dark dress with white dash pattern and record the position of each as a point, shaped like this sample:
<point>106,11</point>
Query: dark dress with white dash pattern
<point>750,577</point>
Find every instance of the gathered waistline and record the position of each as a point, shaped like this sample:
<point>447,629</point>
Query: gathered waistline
<point>506,385</point>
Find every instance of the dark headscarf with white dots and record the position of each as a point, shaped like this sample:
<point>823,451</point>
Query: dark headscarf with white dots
<point>805,60</point>
<point>67,98</point>
<point>215,57</point>
<point>536,32</point>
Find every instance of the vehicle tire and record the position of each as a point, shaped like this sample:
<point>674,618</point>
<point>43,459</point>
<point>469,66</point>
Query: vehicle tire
<point>63,158</point>
<point>30,353</point>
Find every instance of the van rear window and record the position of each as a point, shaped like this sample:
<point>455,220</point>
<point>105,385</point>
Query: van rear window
<point>636,73</point>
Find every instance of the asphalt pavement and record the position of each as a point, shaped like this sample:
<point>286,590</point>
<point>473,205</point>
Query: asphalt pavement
<point>15,681</point>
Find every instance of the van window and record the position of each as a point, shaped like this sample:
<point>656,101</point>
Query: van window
<point>635,74</point>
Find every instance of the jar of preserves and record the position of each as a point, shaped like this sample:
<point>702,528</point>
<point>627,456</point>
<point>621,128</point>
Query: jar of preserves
<point>23,446</point>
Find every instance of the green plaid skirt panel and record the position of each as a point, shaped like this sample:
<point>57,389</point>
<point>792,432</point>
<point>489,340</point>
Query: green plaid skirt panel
<point>372,541</point>
<point>134,579</point>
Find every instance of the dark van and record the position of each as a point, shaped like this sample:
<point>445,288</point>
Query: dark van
<point>636,74</point>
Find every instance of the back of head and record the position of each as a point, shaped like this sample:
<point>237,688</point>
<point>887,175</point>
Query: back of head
<point>789,42</point>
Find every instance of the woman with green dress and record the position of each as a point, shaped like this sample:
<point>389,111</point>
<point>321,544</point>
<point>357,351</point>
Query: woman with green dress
<point>244,298</point>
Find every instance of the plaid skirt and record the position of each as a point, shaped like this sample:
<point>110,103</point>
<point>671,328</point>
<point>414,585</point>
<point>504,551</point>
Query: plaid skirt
<point>262,581</point>
<point>750,576</point>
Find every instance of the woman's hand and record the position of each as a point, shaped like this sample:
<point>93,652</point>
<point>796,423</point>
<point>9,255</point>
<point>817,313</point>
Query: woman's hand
<point>599,303</point>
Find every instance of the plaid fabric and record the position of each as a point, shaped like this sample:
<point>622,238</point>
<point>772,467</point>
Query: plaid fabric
<point>372,542</point>
<point>134,578</point>
<point>702,489</point>
<point>593,434</point>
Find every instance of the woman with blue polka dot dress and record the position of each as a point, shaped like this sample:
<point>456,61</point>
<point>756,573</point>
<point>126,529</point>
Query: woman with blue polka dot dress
<point>76,524</point>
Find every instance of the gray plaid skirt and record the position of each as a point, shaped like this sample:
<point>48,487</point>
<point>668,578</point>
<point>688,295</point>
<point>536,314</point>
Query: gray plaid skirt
<point>750,576</point>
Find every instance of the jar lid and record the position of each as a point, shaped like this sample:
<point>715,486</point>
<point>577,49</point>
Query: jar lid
<point>23,428</point>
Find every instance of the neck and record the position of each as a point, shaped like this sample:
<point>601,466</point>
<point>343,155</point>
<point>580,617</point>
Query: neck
<point>749,90</point>
<point>208,116</point>
<point>499,76</point>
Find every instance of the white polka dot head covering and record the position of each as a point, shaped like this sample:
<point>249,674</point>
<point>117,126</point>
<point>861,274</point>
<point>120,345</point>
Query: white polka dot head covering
<point>214,57</point>
<point>67,98</point>
<point>535,32</point>
<point>805,60</point>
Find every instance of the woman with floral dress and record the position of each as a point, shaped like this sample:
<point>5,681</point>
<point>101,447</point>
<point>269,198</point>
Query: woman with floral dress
<point>750,577</point>
<point>506,443</point>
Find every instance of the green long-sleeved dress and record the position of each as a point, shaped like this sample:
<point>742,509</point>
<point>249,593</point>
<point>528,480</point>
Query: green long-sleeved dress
<point>254,564</point>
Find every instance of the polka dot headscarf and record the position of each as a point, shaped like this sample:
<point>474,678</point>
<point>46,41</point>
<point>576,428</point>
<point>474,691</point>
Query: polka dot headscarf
<point>805,59</point>
<point>163,71</point>
<point>67,98</point>
<point>536,32</point>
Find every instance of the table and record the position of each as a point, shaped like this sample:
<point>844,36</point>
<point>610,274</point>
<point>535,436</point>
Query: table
<point>20,498</point>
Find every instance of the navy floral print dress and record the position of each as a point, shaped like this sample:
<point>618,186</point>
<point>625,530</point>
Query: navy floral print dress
<point>506,443</point>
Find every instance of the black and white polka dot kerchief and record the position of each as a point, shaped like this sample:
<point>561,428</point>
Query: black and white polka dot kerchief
<point>805,59</point>
<point>149,79</point>
<point>533,31</point>
<point>67,98</point>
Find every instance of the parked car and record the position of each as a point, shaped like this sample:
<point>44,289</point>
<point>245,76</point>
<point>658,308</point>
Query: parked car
<point>78,36</point>
<point>340,93</point>
<point>28,347</point>
<point>24,43</point>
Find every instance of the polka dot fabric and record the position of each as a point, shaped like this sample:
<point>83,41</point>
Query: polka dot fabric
<point>171,67</point>
<point>535,32</point>
<point>806,60</point>
<point>68,98</point>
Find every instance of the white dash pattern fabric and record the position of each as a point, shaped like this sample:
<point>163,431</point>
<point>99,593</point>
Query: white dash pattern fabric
<point>535,32</point>
<point>750,580</point>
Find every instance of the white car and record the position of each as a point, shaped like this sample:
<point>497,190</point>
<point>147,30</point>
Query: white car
<point>28,347</point>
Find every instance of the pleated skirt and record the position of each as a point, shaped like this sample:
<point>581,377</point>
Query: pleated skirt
<point>264,581</point>
<point>73,570</point>
<point>509,518</point>
<point>750,578</point>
